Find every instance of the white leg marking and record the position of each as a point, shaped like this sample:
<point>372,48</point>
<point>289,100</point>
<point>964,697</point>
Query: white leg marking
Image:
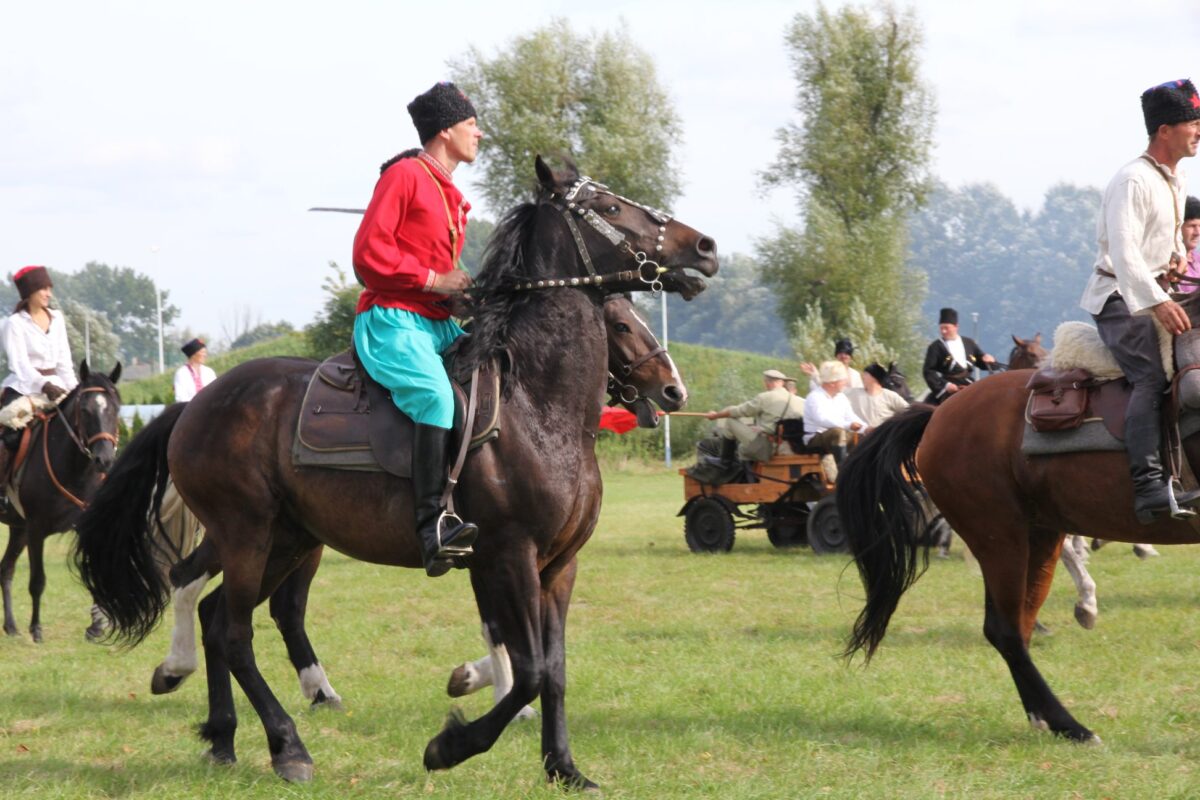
<point>182,660</point>
<point>313,679</point>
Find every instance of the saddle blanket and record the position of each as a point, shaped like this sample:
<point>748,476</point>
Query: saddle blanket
<point>349,422</point>
<point>1090,437</point>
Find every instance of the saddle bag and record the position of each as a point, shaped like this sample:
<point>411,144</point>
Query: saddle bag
<point>1058,399</point>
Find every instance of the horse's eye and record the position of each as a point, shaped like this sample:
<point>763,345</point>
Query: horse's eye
<point>612,211</point>
<point>621,327</point>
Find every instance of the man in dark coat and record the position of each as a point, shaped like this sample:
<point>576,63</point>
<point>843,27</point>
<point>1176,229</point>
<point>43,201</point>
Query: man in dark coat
<point>950,359</point>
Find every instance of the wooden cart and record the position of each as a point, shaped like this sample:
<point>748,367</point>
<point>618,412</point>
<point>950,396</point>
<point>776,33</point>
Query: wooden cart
<point>788,496</point>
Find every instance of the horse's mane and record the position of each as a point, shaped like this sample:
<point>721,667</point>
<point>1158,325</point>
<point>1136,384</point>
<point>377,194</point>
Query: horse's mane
<point>503,264</point>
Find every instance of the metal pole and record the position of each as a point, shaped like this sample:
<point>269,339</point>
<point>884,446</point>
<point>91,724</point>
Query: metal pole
<point>666,420</point>
<point>87,338</point>
<point>158,308</point>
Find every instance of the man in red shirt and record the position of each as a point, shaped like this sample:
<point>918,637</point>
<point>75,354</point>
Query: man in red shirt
<point>406,255</point>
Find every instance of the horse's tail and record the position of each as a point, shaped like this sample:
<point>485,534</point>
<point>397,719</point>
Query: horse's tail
<point>881,510</point>
<point>118,534</point>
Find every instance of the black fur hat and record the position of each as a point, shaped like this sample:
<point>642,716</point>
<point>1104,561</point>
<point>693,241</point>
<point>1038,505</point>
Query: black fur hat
<point>948,316</point>
<point>32,279</point>
<point>1191,209</point>
<point>194,346</point>
<point>877,372</point>
<point>1169,104</point>
<point>441,107</point>
<point>843,346</point>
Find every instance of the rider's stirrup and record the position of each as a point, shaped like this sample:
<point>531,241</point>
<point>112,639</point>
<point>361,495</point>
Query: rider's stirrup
<point>1177,511</point>
<point>449,519</point>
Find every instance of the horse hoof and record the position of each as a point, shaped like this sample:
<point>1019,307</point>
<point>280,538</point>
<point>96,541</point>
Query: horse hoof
<point>575,782</point>
<point>1093,741</point>
<point>1085,618</point>
<point>162,683</point>
<point>1144,551</point>
<point>36,633</point>
<point>1037,723</point>
<point>437,755</point>
<point>219,759</point>
<point>11,631</point>
<point>1041,629</point>
<point>460,682</point>
<point>528,712</point>
<point>328,703</point>
<point>294,771</point>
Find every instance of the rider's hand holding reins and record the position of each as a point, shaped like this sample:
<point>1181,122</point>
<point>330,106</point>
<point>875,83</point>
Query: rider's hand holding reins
<point>452,282</point>
<point>53,391</point>
<point>1173,317</point>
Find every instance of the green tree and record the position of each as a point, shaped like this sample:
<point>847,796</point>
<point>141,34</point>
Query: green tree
<point>474,242</point>
<point>330,333</point>
<point>812,339</point>
<point>262,332</point>
<point>594,97</point>
<point>87,329</point>
<point>858,162</point>
<point>127,298</point>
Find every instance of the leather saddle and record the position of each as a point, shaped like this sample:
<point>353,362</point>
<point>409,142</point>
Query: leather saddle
<point>348,421</point>
<point>1062,400</point>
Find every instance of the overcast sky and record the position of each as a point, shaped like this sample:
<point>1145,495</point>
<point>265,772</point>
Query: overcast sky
<point>188,140</point>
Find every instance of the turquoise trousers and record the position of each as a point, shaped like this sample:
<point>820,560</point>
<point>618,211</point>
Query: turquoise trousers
<point>402,351</point>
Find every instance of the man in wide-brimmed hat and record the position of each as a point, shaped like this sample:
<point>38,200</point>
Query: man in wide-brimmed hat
<point>751,441</point>
<point>829,421</point>
<point>1138,230</point>
<point>950,359</point>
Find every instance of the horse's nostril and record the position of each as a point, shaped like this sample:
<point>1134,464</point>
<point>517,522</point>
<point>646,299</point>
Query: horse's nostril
<point>706,246</point>
<point>672,393</point>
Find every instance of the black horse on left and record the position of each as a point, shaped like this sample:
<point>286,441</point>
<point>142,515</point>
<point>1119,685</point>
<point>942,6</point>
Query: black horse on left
<point>70,450</point>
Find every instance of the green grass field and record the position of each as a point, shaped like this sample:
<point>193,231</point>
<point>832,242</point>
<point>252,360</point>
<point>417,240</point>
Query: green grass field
<point>690,677</point>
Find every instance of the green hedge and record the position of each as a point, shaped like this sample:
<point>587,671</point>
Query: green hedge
<point>158,388</point>
<point>715,378</point>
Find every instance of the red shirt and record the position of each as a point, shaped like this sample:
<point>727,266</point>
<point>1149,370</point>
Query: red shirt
<point>404,237</point>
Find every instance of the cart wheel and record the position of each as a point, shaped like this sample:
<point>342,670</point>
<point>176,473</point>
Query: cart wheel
<point>786,525</point>
<point>708,527</point>
<point>825,529</point>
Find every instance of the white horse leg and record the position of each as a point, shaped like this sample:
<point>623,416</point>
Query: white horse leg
<point>314,684</point>
<point>1085,606</point>
<point>182,660</point>
<point>1144,551</point>
<point>494,668</point>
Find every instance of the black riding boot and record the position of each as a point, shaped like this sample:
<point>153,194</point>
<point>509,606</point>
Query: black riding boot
<point>729,449</point>
<point>445,539</point>
<point>1151,494</point>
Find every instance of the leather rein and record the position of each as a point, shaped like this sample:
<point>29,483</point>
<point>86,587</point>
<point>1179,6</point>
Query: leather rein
<point>75,436</point>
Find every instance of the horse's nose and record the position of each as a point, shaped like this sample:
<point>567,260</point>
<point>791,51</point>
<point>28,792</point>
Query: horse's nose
<point>674,394</point>
<point>706,246</point>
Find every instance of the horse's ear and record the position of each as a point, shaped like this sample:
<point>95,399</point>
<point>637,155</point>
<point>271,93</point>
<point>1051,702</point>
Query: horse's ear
<point>83,370</point>
<point>115,375</point>
<point>1037,338</point>
<point>545,175</point>
<point>1016,341</point>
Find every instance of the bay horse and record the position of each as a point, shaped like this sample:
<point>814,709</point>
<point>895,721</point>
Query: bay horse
<point>641,372</point>
<point>1012,511</point>
<point>70,449</point>
<point>535,491</point>
<point>1030,354</point>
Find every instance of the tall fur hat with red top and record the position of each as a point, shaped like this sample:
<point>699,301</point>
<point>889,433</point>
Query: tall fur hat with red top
<point>443,106</point>
<point>31,279</point>
<point>1169,104</point>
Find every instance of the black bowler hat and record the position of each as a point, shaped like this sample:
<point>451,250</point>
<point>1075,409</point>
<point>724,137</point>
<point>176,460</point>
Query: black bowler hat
<point>443,106</point>
<point>948,316</point>
<point>843,346</point>
<point>194,346</point>
<point>1169,104</point>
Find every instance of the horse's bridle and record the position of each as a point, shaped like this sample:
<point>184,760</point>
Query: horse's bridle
<point>73,432</point>
<point>617,389</point>
<point>648,270</point>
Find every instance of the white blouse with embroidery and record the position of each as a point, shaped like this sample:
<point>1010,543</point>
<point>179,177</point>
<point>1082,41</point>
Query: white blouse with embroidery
<point>33,352</point>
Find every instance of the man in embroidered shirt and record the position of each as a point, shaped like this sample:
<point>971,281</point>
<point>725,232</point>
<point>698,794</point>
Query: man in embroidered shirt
<point>829,420</point>
<point>765,410</point>
<point>1139,236</point>
<point>1191,244</point>
<point>950,359</point>
<point>194,375</point>
<point>406,255</point>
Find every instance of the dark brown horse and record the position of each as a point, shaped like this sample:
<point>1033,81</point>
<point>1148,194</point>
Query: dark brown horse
<point>69,452</point>
<point>640,371</point>
<point>1010,509</point>
<point>535,491</point>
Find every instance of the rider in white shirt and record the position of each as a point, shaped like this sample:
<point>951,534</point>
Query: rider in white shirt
<point>193,375</point>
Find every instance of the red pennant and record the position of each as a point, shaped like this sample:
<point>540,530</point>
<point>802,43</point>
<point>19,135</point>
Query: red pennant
<point>617,420</point>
